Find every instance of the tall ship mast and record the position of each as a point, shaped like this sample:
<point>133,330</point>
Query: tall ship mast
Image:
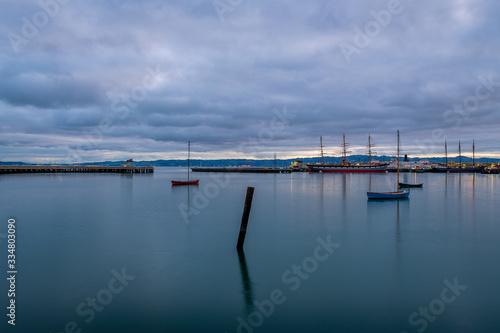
<point>465,169</point>
<point>344,148</point>
<point>446,152</point>
<point>321,148</point>
<point>345,167</point>
<point>369,148</point>
<point>473,153</point>
<point>459,154</point>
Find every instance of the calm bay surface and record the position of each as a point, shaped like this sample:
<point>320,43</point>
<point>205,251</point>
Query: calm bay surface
<point>131,253</point>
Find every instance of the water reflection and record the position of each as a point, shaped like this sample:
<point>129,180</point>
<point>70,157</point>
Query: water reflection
<point>398,233</point>
<point>246,283</point>
<point>186,208</point>
<point>126,190</point>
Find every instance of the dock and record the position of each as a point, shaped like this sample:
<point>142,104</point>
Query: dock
<point>242,169</point>
<point>73,169</point>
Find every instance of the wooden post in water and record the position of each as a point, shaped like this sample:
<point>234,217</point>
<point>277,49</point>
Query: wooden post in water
<point>244,218</point>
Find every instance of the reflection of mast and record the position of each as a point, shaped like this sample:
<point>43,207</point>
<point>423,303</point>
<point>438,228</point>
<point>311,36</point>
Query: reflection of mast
<point>344,146</point>
<point>321,147</point>
<point>246,283</point>
<point>369,146</point>
<point>397,224</point>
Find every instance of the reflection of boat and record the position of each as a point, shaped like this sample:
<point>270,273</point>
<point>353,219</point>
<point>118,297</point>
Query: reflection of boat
<point>186,182</point>
<point>411,185</point>
<point>391,195</point>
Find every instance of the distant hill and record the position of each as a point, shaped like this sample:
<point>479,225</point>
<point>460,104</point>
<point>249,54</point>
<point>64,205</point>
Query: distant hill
<point>287,162</point>
<point>270,162</point>
<point>13,163</point>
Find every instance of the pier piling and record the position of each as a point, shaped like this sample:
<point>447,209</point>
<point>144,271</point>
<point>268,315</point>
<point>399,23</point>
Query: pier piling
<point>244,218</point>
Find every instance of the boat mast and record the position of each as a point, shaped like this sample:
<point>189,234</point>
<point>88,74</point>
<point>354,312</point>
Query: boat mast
<point>189,151</point>
<point>459,154</point>
<point>370,145</point>
<point>321,147</point>
<point>397,187</point>
<point>345,145</point>
<point>473,153</point>
<point>446,152</point>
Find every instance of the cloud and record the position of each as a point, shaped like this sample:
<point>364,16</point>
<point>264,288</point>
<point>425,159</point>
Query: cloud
<point>222,79</point>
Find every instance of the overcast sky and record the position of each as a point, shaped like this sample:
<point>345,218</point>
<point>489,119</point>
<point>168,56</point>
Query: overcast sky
<point>104,80</point>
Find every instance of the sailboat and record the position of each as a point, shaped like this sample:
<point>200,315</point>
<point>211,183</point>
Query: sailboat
<point>186,182</point>
<point>391,195</point>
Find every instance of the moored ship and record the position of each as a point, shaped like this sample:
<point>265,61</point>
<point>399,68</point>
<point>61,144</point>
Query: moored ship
<point>346,167</point>
<point>340,168</point>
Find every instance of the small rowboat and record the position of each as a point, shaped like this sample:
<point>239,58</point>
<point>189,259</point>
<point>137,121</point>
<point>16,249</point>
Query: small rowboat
<point>410,185</point>
<point>389,195</point>
<point>185,182</point>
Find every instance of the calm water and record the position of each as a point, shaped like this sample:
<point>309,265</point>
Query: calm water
<point>174,251</point>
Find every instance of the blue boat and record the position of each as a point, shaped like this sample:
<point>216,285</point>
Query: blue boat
<point>389,195</point>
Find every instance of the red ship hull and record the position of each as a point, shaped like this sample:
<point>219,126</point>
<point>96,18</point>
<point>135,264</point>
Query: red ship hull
<point>347,169</point>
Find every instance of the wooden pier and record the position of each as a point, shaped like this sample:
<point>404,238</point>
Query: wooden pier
<point>241,169</point>
<point>73,169</point>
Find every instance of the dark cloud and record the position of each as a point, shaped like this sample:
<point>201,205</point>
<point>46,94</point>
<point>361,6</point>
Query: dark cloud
<point>223,75</point>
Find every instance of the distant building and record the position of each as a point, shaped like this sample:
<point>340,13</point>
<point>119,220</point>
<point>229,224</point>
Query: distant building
<point>298,165</point>
<point>129,163</point>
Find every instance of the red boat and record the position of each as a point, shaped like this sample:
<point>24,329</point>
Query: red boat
<point>186,182</point>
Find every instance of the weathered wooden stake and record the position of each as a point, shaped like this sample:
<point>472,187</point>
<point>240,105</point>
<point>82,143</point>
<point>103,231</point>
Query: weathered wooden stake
<point>244,218</point>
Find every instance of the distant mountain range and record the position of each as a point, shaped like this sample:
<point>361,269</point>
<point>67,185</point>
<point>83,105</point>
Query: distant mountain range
<point>271,162</point>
